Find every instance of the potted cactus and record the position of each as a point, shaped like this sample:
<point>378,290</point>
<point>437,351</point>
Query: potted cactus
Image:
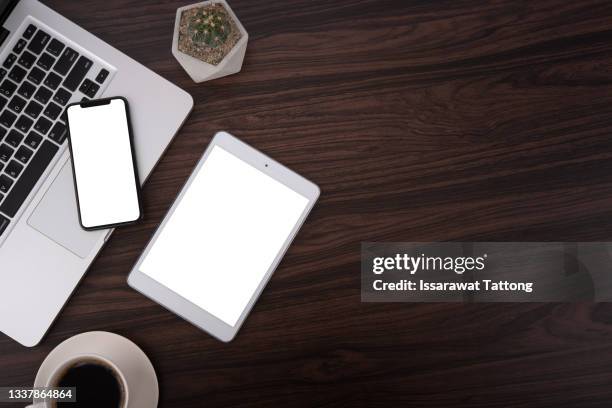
<point>209,42</point>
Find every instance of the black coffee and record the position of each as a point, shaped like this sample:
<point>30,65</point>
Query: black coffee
<point>96,386</point>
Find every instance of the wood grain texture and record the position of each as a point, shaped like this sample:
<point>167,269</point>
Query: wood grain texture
<point>421,121</point>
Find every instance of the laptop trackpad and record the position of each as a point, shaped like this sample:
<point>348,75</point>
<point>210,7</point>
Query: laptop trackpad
<point>56,216</point>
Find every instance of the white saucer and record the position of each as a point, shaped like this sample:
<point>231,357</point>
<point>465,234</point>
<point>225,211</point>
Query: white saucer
<point>136,367</point>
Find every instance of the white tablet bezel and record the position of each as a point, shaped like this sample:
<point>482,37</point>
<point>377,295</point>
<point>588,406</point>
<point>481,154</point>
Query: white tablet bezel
<point>180,305</point>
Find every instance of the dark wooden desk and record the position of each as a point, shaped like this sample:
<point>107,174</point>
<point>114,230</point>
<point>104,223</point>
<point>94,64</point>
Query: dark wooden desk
<point>421,121</point>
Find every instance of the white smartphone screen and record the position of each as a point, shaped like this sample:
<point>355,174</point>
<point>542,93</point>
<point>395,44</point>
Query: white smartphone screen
<point>224,234</point>
<point>104,172</point>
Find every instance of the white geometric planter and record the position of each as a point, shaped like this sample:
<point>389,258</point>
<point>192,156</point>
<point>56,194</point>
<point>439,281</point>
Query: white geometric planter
<point>199,70</point>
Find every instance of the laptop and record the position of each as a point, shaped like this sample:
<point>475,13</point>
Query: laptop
<point>46,62</point>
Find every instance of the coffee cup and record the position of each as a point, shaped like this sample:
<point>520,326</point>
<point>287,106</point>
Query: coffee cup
<point>98,380</point>
<point>105,370</point>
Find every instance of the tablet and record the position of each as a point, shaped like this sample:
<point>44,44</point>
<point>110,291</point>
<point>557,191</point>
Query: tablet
<point>223,237</point>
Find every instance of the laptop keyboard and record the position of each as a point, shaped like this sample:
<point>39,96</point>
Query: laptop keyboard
<point>37,79</point>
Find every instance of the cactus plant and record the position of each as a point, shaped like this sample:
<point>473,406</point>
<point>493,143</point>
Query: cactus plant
<point>210,26</point>
<point>207,33</point>
<point>209,41</point>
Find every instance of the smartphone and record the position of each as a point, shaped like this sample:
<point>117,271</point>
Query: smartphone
<point>103,163</point>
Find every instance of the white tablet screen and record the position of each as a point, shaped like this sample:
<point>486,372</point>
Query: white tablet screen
<point>224,235</point>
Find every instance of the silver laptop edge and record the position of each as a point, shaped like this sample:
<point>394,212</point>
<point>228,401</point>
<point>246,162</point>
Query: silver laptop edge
<point>44,253</point>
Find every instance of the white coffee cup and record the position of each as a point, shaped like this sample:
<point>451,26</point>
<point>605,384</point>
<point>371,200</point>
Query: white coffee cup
<point>62,369</point>
<point>124,359</point>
